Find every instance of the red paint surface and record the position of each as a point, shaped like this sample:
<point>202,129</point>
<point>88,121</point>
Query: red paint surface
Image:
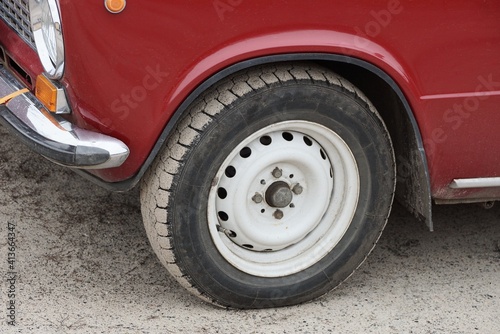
<point>438,52</point>
<point>20,52</point>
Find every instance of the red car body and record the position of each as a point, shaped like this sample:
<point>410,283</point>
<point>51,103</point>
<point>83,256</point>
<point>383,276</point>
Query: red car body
<point>127,74</point>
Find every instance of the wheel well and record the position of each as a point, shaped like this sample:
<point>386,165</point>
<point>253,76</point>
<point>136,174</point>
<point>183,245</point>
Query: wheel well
<point>413,184</point>
<point>412,175</point>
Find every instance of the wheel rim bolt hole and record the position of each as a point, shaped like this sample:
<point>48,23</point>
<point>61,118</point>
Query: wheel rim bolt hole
<point>323,154</point>
<point>222,193</point>
<point>223,216</point>
<point>287,136</point>
<point>308,141</point>
<point>265,140</point>
<point>245,152</point>
<point>230,171</point>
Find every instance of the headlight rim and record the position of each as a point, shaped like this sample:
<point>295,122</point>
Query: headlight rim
<point>54,68</point>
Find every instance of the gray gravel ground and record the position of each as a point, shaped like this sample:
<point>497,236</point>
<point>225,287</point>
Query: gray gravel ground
<point>84,265</point>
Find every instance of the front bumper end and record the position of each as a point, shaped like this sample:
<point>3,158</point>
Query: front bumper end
<point>54,137</point>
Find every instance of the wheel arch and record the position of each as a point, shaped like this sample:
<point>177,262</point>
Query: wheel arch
<point>413,189</point>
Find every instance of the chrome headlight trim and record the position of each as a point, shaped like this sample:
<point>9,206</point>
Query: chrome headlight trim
<point>47,32</point>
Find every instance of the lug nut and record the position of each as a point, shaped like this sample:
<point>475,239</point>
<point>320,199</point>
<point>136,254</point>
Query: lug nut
<point>257,198</point>
<point>278,214</point>
<point>297,189</point>
<point>277,172</point>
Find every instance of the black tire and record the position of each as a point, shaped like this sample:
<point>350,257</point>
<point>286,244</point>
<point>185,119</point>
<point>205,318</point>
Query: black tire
<point>179,218</point>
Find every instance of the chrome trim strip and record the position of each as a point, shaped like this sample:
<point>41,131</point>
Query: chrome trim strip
<point>482,182</point>
<point>54,137</point>
<point>62,105</point>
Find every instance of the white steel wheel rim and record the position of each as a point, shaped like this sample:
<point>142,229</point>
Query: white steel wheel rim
<point>302,169</point>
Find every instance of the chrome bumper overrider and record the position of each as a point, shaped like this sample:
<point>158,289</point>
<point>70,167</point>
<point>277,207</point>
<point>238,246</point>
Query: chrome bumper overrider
<point>52,136</point>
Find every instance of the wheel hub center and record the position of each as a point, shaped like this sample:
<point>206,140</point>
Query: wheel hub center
<point>279,195</point>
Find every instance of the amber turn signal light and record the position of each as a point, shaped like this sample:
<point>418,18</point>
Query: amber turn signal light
<point>46,92</point>
<point>115,6</point>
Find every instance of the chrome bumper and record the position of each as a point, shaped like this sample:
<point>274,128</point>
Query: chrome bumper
<point>52,136</point>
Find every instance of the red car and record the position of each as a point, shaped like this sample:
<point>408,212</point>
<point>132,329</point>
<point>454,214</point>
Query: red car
<point>269,138</point>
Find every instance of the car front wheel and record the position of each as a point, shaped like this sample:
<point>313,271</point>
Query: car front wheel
<point>273,189</point>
